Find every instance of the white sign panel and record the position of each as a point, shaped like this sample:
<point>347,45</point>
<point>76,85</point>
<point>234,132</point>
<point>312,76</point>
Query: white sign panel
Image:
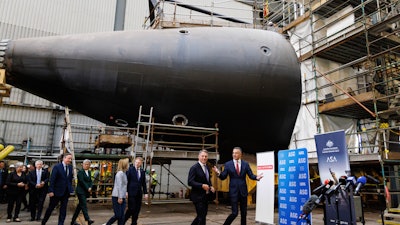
<point>265,188</point>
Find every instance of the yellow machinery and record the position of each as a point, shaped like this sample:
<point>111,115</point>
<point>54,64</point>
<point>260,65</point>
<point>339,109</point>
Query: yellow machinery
<point>5,151</point>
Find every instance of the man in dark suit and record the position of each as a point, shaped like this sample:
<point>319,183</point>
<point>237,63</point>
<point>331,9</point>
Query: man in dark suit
<point>136,189</point>
<point>3,178</point>
<point>60,188</point>
<point>237,169</point>
<point>199,180</point>
<point>38,180</point>
<point>83,189</point>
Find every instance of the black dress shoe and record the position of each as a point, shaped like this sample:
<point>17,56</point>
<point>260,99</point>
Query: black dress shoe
<point>32,219</point>
<point>74,223</point>
<point>90,222</point>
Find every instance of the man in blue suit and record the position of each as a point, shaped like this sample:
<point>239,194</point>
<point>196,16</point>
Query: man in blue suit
<point>60,188</point>
<point>38,180</point>
<point>200,181</point>
<point>136,188</point>
<point>237,169</point>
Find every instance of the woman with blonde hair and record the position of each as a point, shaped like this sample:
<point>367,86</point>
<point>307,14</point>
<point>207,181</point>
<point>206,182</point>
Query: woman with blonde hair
<point>119,193</point>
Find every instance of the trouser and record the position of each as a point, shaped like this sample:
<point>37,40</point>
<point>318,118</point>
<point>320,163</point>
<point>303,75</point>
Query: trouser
<point>14,199</point>
<point>118,212</point>
<point>243,210</point>
<point>63,200</point>
<point>36,201</point>
<point>201,212</point>
<point>81,206</point>
<point>134,205</point>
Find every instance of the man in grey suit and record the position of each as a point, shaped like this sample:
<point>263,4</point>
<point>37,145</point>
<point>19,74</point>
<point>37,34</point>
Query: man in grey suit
<point>237,169</point>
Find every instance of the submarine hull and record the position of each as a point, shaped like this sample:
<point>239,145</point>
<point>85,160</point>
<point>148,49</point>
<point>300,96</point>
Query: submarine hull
<point>247,81</point>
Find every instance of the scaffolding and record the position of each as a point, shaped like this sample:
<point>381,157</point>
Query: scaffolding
<point>352,54</point>
<point>156,143</point>
<point>160,143</point>
<point>230,13</point>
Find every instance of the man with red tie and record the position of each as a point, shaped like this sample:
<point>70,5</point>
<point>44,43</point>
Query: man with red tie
<point>237,169</point>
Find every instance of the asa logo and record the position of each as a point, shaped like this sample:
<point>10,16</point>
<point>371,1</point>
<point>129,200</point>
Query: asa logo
<point>331,159</point>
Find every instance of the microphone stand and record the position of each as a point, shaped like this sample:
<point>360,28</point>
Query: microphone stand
<point>337,221</point>
<point>349,196</point>
<point>382,202</point>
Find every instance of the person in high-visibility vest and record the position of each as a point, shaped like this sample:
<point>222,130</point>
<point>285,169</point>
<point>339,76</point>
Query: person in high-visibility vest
<point>95,174</point>
<point>154,182</point>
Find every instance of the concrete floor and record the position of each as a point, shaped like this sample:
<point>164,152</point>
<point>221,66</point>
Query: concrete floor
<point>160,213</point>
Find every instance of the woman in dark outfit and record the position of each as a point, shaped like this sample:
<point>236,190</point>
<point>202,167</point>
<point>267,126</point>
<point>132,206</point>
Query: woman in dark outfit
<point>16,183</point>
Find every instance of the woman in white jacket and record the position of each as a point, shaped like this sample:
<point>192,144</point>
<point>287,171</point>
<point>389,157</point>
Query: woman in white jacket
<point>119,193</point>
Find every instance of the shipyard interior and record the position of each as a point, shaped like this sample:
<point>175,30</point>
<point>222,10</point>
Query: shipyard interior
<point>309,89</point>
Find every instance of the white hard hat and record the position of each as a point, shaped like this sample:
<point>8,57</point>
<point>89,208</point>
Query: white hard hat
<point>12,166</point>
<point>153,170</point>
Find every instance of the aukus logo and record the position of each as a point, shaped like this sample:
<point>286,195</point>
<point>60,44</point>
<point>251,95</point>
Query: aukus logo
<point>329,144</point>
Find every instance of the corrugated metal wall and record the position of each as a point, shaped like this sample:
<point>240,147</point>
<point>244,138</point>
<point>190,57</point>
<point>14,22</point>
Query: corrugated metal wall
<point>24,115</point>
<point>27,18</point>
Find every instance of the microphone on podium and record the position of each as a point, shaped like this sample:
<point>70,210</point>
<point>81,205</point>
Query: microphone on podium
<point>360,182</point>
<point>376,181</point>
<point>326,185</point>
<point>351,181</point>
<point>308,207</point>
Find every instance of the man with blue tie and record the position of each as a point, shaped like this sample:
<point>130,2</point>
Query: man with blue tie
<point>199,180</point>
<point>237,169</point>
<point>60,188</point>
<point>38,183</point>
<point>136,188</point>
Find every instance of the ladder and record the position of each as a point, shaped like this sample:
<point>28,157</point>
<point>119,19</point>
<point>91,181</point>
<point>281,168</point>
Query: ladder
<point>67,137</point>
<point>142,146</point>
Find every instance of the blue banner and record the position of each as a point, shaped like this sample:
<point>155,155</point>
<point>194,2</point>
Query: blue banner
<point>293,186</point>
<point>334,167</point>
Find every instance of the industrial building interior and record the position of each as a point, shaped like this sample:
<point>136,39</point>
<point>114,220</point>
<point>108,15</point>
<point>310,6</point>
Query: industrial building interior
<point>349,53</point>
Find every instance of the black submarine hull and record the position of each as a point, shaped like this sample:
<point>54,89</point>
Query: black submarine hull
<point>247,81</point>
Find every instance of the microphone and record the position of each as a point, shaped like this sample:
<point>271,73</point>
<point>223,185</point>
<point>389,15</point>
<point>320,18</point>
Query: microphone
<point>309,206</point>
<point>360,182</point>
<point>342,180</point>
<point>327,184</point>
<point>350,181</point>
<point>333,176</point>
<point>376,181</point>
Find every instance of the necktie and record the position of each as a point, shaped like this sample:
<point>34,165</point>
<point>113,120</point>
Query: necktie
<point>206,172</point>
<point>38,176</point>
<point>66,170</point>
<point>237,167</point>
<point>138,173</point>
